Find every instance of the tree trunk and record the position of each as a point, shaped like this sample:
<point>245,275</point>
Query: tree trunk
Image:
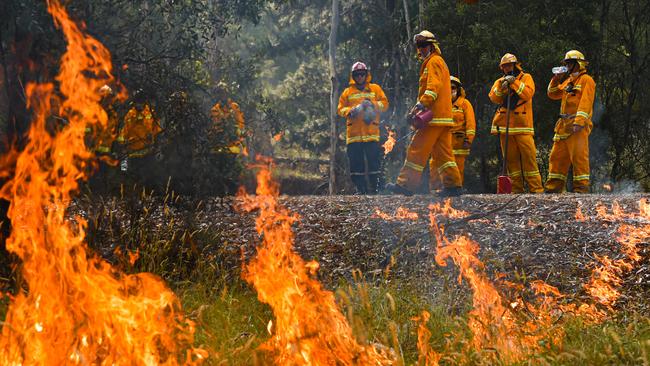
<point>333,94</point>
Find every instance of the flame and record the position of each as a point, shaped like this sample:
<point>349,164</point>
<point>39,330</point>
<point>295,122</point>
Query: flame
<point>77,309</point>
<point>514,331</point>
<point>447,211</point>
<point>400,214</point>
<point>278,136</point>
<point>579,216</point>
<point>390,143</point>
<point>309,328</point>
<point>607,187</point>
<point>426,355</point>
<point>607,277</point>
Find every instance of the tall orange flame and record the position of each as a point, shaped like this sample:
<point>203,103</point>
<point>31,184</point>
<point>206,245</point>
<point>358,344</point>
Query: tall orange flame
<point>309,328</point>
<point>77,308</point>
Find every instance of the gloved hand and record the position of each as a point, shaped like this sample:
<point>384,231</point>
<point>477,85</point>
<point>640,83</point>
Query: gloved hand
<point>367,103</point>
<point>354,112</point>
<point>369,115</point>
<point>577,128</point>
<point>466,144</point>
<point>510,79</point>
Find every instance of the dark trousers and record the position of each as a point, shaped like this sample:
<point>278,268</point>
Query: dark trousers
<point>362,154</point>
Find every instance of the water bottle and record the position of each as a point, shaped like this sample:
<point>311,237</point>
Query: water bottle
<point>560,70</point>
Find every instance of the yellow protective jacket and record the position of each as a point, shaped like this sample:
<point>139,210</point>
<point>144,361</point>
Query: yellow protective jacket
<point>220,115</point>
<point>521,116</point>
<point>464,124</point>
<point>139,131</point>
<point>577,94</point>
<point>357,130</point>
<point>434,90</point>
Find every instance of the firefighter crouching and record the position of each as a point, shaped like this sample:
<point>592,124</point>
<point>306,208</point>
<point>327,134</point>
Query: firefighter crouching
<point>521,157</point>
<point>462,134</point>
<point>432,118</point>
<point>576,89</point>
<point>361,104</point>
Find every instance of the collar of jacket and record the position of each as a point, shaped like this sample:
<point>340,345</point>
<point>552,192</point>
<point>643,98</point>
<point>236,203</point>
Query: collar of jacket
<point>459,100</point>
<point>426,60</point>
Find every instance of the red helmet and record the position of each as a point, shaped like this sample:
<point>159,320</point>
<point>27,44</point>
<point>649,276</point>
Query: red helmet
<point>359,66</point>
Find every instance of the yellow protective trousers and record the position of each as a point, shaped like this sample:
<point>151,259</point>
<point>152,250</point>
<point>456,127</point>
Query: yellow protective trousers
<point>574,151</point>
<point>434,178</point>
<point>522,163</point>
<point>434,141</point>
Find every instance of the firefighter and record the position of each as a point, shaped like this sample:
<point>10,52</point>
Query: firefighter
<point>223,112</point>
<point>576,89</point>
<point>103,140</point>
<point>462,133</point>
<point>521,157</point>
<point>433,137</point>
<point>138,133</point>
<point>361,104</point>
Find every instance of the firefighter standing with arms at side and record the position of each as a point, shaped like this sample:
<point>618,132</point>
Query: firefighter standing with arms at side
<point>462,133</point>
<point>577,90</point>
<point>360,104</point>
<point>432,118</point>
<point>521,154</point>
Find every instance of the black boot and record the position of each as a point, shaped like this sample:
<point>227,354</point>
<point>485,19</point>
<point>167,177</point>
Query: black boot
<point>360,183</point>
<point>373,183</point>
<point>451,192</point>
<point>395,188</point>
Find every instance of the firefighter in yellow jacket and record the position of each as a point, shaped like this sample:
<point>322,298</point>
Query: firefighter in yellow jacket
<point>577,90</point>
<point>139,130</point>
<point>433,138</point>
<point>462,133</point>
<point>361,104</point>
<point>521,157</point>
<point>220,114</point>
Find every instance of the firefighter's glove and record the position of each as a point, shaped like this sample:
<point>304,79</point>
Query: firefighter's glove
<point>354,112</point>
<point>510,79</point>
<point>466,144</point>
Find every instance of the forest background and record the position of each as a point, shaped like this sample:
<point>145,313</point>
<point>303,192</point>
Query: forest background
<point>272,58</point>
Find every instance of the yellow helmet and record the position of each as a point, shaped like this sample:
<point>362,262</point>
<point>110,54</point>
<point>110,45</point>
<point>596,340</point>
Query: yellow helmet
<point>508,58</point>
<point>425,36</point>
<point>574,55</point>
<point>456,80</point>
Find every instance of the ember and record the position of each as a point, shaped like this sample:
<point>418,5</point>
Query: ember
<point>390,143</point>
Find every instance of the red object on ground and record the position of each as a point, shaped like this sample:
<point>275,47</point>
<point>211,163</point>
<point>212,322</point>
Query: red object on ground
<point>504,185</point>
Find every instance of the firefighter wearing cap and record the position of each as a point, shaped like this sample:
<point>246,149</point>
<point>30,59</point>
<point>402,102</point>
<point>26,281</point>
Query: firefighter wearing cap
<point>434,138</point>
<point>361,104</point>
<point>577,90</point>
<point>521,157</point>
<point>220,114</point>
<point>462,133</point>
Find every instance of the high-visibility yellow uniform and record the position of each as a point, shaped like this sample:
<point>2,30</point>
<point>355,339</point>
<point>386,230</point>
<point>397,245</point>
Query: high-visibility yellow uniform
<point>220,114</point>
<point>463,131</point>
<point>434,140</point>
<point>577,94</point>
<point>521,157</point>
<point>357,130</point>
<point>139,131</point>
<point>362,132</point>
